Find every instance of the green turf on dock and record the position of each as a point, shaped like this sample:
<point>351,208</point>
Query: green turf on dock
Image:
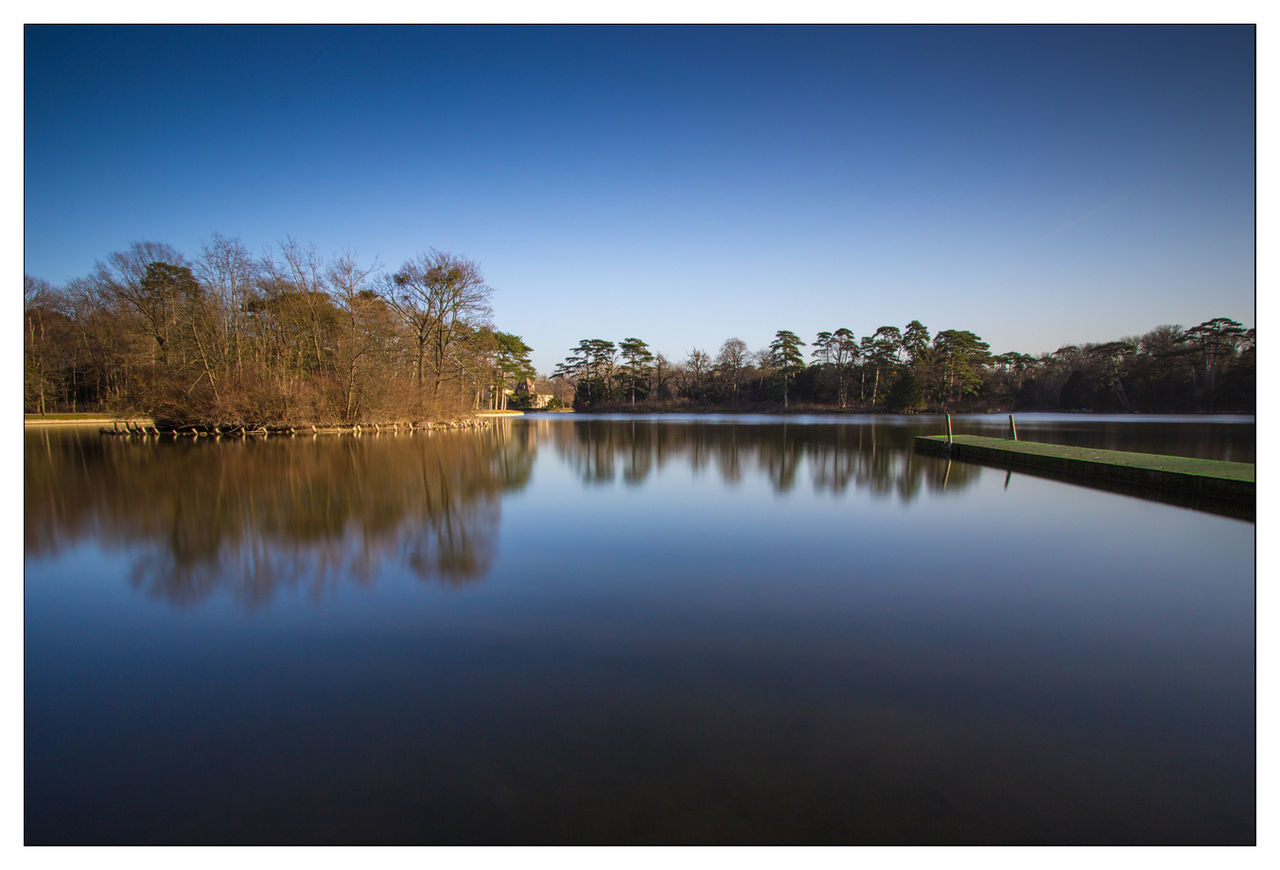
<point>1197,477</point>
<point>1155,462</point>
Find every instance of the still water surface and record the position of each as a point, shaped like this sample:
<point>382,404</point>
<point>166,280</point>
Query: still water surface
<point>617,630</point>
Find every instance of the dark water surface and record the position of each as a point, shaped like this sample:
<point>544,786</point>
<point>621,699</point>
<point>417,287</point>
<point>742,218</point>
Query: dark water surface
<point>614,630</point>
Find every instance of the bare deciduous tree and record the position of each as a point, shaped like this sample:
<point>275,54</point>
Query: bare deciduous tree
<point>124,277</point>
<point>362,339</point>
<point>732,359</point>
<point>441,298</point>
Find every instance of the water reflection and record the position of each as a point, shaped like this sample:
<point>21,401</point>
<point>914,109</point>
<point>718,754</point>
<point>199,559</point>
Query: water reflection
<point>257,516</point>
<point>688,631</point>
<point>831,459</point>
<point>253,517</point>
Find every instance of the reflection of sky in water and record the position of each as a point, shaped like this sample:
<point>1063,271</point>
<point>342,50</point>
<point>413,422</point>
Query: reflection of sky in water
<point>672,656</point>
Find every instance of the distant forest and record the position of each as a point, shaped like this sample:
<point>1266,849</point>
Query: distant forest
<point>1204,369</point>
<point>288,337</point>
<point>283,338</point>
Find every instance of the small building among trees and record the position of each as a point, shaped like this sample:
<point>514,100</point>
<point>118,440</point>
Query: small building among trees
<point>527,395</point>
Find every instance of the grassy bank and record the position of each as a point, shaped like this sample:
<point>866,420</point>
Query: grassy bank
<point>1188,476</point>
<point>1146,461</point>
<point>94,419</point>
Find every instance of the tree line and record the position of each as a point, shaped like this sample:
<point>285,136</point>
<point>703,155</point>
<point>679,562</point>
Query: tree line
<point>283,337</point>
<point>1205,368</point>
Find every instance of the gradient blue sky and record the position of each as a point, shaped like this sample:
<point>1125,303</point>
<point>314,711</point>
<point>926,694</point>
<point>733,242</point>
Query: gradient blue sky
<point>1039,186</point>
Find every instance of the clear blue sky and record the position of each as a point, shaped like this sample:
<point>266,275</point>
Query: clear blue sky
<point>1038,186</point>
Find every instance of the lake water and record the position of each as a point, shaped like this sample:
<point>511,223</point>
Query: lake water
<point>616,630</point>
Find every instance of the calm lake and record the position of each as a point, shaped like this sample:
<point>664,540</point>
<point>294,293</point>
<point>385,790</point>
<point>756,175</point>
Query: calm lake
<point>673,629</point>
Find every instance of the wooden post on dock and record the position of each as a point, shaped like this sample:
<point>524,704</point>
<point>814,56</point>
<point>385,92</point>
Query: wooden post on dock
<point>1013,427</point>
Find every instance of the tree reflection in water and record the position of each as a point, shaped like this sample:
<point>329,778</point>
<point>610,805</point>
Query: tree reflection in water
<point>877,458</point>
<point>254,517</point>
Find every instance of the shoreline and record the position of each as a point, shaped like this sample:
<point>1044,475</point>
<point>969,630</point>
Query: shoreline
<point>146,426</point>
<point>87,420</point>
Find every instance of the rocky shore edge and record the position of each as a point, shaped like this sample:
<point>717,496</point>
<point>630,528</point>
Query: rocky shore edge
<point>132,429</point>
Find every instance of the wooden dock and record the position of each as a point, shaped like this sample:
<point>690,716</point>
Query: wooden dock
<point>1197,478</point>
